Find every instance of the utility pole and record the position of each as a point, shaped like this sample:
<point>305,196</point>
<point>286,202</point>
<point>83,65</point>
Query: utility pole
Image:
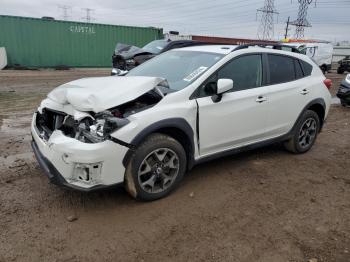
<point>301,22</point>
<point>287,29</point>
<point>65,9</point>
<point>88,17</point>
<point>266,27</point>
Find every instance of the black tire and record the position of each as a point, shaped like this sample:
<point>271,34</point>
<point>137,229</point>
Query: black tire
<point>298,143</point>
<point>344,104</point>
<point>147,152</point>
<point>340,71</point>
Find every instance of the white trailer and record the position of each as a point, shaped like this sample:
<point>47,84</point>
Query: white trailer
<point>320,52</point>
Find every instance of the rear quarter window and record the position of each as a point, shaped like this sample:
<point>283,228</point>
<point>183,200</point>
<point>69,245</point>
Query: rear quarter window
<point>281,69</point>
<point>307,68</point>
<point>298,70</point>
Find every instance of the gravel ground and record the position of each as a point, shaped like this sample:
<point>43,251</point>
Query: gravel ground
<point>264,205</point>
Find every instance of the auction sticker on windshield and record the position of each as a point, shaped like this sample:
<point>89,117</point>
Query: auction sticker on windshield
<point>195,73</point>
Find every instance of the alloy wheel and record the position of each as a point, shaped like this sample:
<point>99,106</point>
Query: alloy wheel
<point>158,170</point>
<point>307,133</point>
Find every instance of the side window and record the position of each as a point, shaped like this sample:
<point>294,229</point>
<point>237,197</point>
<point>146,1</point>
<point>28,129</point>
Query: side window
<point>307,68</point>
<point>245,71</point>
<point>281,69</point>
<point>209,87</point>
<point>298,70</point>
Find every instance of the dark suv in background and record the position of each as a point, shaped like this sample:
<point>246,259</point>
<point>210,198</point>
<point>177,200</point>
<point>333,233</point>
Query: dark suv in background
<point>126,57</point>
<point>344,65</point>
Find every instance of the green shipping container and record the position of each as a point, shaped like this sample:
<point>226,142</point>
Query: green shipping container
<point>36,42</point>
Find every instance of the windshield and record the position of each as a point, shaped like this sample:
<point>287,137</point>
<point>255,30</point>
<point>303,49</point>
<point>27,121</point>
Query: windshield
<point>155,47</point>
<point>179,68</point>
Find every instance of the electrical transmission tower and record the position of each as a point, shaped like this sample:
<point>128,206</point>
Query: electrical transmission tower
<point>301,21</point>
<point>266,30</point>
<point>88,18</point>
<point>65,9</point>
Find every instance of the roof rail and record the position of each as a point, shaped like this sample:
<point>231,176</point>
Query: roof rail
<point>272,46</point>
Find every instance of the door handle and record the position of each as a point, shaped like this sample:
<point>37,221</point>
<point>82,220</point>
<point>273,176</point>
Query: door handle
<point>261,99</point>
<point>304,91</point>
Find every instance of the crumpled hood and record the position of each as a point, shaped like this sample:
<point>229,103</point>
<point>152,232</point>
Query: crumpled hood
<point>129,51</point>
<point>100,93</point>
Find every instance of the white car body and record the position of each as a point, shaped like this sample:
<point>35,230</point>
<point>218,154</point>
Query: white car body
<point>242,118</point>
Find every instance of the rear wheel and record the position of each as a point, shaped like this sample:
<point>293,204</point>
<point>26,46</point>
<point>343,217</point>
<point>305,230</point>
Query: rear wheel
<point>305,133</point>
<point>156,168</point>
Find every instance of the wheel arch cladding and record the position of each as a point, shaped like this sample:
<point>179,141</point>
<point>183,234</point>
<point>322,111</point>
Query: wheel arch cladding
<point>319,109</point>
<point>177,128</point>
<point>317,105</point>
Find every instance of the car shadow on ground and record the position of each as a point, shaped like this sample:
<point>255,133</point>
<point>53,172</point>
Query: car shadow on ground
<point>117,195</point>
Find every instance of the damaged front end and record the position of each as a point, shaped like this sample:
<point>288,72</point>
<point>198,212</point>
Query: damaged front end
<point>93,127</point>
<point>74,129</point>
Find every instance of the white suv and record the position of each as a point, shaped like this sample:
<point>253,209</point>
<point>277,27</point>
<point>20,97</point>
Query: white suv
<point>146,129</point>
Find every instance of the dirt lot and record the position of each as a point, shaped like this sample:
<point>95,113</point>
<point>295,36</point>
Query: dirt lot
<point>266,205</point>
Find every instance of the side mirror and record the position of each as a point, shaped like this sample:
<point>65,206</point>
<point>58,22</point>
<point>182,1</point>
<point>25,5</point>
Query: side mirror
<point>223,86</point>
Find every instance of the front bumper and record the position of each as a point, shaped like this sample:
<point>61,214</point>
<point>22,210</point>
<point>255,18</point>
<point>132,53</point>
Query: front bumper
<point>56,178</point>
<point>64,159</point>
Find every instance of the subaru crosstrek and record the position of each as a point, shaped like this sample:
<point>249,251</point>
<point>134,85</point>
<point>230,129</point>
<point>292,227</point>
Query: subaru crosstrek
<point>146,129</point>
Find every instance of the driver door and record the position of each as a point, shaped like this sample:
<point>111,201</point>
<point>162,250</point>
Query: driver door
<point>240,117</point>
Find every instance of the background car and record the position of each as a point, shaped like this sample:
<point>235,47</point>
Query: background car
<point>126,57</point>
<point>344,65</point>
<point>344,91</point>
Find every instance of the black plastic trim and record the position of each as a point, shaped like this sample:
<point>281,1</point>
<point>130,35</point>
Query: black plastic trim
<point>264,45</point>
<point>243,149</point>
<point>179,123</point>
<point>120,142</point>
<point>56,178</point>
<point>316,101</point>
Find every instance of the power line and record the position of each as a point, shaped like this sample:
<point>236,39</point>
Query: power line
<point>301,21</point>
<point>265,29</point>
<point>287,29</point>
<point>88,18</point>
<point>65,9</point>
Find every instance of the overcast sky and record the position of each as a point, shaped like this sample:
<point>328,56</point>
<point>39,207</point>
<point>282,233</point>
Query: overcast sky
<point>230,18</point>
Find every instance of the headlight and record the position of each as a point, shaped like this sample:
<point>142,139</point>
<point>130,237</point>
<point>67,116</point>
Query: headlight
<point>100,129</point>
<point>130,62</point>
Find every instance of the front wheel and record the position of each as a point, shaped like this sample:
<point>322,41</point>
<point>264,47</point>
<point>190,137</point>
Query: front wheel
<point>305,133</point>
<point>156,168</point>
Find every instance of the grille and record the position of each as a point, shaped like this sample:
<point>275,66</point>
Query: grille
<point>49,121</point>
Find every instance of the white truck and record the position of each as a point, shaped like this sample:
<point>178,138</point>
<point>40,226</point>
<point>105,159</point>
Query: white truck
<point>320,52</point>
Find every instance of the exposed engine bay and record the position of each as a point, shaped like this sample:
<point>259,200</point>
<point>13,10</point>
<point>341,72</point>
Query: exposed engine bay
<point>96,127</point>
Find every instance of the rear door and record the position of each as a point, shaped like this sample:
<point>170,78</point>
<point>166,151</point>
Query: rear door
<point>288,92</point>
<point>240,117</point>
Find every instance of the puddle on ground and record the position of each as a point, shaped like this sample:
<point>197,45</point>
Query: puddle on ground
<point>16,125</point>
<point>17,160</point>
